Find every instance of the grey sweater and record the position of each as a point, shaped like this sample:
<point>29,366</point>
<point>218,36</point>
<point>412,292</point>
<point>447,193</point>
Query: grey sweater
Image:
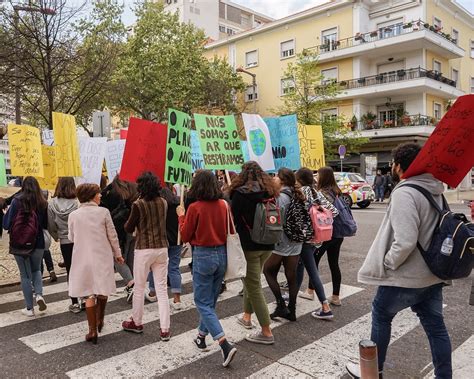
<point>58,214</point>
<point>393,259</point>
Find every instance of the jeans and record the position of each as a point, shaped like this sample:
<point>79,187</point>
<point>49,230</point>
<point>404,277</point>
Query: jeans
<point>157,261</point>
<point>66,252</point>
<point>333,248</point>
<point>254,300</point>
<point>209,265</point>
<point>174,275</point>
<point>307,261</point>
<point>48,259</point>
<point>379,192</point>
<point>427,303</point>
<point>30,274</point>
<point>126,269</point>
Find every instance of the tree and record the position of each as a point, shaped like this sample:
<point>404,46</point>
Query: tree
<point>162,65</point>
<point>307,94</point>
<point>60,61</point>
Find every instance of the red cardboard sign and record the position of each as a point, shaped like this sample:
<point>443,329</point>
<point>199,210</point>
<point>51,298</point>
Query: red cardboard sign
<point>123,133</point>
<point>145,149</point>
<point>449,152</point>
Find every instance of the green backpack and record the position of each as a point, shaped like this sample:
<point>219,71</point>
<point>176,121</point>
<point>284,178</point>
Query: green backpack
<point>267,223</point>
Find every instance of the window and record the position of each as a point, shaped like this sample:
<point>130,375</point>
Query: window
<point>230,31</point>
<point>472,84</point>
<point>437,23</point>
<point>329,75</point>
<point>194,10</point>
<point>437,111</point>
<point>329,39</point>
<point>286,86</point>
<point>249,95</point>
<point>390,28</point>
<point>287,49</point>
<point>455,76</point>
<point>328,115</point>
<point>472,49</point>
<point>455,36</point>
<point>222,28</point>
<point>251,58</point>
<point>436,66</point>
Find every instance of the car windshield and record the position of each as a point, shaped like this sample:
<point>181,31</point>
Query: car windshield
<point>356,178</point>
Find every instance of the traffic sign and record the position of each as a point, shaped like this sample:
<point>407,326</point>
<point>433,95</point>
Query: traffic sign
<point>342,151</point>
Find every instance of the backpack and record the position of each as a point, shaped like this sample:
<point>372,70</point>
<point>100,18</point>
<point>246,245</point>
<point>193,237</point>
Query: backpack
<point>297,224</point>
<point>23,232</point>
<point>460,262</point>
<point>120,217</point>
<point>344,224</point>
<point>267,223</point>
<point>322,221</point>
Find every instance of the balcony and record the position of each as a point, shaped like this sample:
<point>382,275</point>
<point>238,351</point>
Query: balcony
<point>397,38</point>
<point>413,80</point>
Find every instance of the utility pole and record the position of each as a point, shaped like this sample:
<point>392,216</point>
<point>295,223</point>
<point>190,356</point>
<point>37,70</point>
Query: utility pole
<point>254,86</point>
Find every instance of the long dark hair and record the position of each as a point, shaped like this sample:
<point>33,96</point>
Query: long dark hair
<point>32,198</point>
<point>149,186</point>
<point>66,188</point>
<point>251,173</point>
<point>288,178</point>
<point>205,186</point>
<point>305,177</point>
<point>126,190</point>
<point>327,181</point>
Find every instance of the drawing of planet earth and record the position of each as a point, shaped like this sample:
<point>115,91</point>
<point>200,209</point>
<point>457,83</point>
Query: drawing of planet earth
<point>258,141</point>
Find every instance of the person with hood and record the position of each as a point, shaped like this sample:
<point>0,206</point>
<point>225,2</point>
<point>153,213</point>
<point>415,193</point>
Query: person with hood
<point>250,187</point>
<point>395,265</point>
<point>64,202</point>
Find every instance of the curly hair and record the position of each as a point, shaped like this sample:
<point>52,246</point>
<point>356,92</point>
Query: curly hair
<point>405,153</point>
<point>251,173</point>
<point>148,186</point>
<point>288,178</point>
<point>205,186</point>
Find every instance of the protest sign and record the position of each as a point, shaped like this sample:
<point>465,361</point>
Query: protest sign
<point>448,154</point>
<point>259,142</point>
<point>113,157</point>
<point>145,149</point>
<point>311,146</point>
<point>25,150</point>
<point>92,152</point>
<point>67,149</point>
<point>220,142</point>
<point>197,160</point>
<point>47,137</point>
<point>285,144</point>
<point>123,133</point>
<point>245,150</point>
<point>178,167</point>
<point>3,172</point>
<point>50,179</point>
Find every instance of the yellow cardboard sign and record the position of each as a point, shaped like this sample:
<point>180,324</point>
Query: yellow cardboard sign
<point>50,179</point>
<point>311,146</point>
<point>68,162</point>
<point>25,150</point>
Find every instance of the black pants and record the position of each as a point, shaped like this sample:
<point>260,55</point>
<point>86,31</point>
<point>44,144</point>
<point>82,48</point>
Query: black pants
<point>48,259</point>
<point>66,251</point>
<point>333,248</point>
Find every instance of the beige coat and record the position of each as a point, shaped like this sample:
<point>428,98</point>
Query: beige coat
<point>95,244</point>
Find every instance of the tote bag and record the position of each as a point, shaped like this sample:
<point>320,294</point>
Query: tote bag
<point>236,262</point>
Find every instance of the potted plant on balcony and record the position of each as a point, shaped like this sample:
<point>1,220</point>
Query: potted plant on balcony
<point>388,29</point>
<point>401,73</point>
<point>353,123</point>
<point>369,120</point>
<point>388,123</point>
<point>358,37</point>
<point>375,33</point>
<point>408,25</point>
<point>361,80</point>
<point>343,83</point>
<point>433,121</point>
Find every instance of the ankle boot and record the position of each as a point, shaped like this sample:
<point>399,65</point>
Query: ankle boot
<point>292,312</point>
<point>281,310</point>
<point>92,321</point>
<point>101,303</point>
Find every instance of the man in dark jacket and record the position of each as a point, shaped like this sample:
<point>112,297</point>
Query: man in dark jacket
<point>379,186</point>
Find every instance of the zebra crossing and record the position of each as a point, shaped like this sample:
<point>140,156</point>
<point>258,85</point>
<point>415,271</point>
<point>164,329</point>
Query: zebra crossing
<point>305,349</point>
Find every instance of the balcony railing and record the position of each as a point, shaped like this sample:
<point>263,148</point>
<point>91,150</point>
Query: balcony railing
<point>397,122</point>
<point>381,34</point>
<point>393,77</point>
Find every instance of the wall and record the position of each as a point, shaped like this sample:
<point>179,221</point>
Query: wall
<point>430,100</point>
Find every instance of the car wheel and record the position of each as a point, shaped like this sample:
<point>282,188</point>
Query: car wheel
<point>363,204</point>
<point>347,200</point>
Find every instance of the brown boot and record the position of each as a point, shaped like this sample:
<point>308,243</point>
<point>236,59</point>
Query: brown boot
<point>101,303</point>
<point>92,321</point>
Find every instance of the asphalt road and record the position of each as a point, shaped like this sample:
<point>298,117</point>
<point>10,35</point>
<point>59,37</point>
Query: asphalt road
<point>52,345</point>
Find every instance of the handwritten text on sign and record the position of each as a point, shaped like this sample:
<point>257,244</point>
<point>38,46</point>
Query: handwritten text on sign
<point>92,151</point>
<point>197,160</point>
<point>25,150</point>
<point>311,146</point>
<point>285,145</point>
<point>113,157</point>
<point>50,179</point>
<point>67,148</point>
<point>449,154</point>
<point>220,142</point>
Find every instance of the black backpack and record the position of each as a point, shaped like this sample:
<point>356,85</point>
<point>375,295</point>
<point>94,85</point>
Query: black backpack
<point>460,262</point>
<point>297,223</point>
<point>120,217</point>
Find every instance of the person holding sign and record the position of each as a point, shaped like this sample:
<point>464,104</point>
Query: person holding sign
<point>204,225</point>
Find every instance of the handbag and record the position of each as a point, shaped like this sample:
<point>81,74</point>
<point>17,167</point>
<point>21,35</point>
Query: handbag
<point>236,262</point>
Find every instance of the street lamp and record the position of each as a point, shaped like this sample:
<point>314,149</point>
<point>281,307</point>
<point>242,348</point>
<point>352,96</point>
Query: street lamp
<point>17,9</point>
<point>254,86</point>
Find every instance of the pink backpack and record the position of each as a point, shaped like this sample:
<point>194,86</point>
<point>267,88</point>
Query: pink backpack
<point>322,223</point>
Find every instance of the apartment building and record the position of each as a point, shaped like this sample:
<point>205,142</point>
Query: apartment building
<point>399,63</point>
<point>218,18</point>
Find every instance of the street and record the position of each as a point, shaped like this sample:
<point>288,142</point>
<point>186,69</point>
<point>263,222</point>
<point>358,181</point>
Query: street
<point>53,345</point>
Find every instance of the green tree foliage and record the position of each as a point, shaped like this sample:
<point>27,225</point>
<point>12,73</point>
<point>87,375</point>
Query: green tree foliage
<point>307,95</point>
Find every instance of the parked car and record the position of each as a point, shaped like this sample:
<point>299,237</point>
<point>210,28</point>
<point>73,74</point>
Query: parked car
<point>355,189</point>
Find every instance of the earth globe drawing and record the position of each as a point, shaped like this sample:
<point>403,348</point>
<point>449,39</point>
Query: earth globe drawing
<point>257,141</point>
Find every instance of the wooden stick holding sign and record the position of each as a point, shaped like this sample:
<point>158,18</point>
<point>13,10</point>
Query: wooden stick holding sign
<point>182,188</point>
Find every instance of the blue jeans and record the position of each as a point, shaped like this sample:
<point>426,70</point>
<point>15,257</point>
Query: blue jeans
<point>379,192</point>
<point>30,274</point>
<point>427,303</point>
<point>307,261</point>
<point>209,265</point>
<point>174,274</point>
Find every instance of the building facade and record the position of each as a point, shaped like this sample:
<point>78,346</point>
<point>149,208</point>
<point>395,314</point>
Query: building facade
<point>399,63</point>
<point>218,18</point>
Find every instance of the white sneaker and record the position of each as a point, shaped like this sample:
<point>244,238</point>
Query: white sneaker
<point>28,312</point>
<point>41,303</point>
<point>177,306</point>
<point>151,299</point>
<point>306,295</point>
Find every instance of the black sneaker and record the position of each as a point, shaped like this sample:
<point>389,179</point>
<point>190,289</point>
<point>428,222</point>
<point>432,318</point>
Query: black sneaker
<point>200,343</point>
<point>228,353</point>
<point>223,287</point>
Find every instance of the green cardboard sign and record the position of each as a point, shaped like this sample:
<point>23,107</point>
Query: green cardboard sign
<point>220,142</point>
<point>3,172</point>
<point>178,167</point>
